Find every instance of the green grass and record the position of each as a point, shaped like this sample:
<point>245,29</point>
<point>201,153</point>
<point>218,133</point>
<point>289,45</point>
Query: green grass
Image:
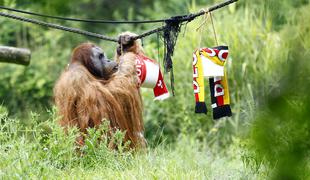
<point>43,151</point>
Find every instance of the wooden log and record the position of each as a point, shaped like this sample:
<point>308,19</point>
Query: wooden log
<point>15,55</point>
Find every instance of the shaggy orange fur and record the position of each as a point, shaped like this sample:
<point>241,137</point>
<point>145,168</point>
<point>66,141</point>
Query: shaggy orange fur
<point>85,101</point>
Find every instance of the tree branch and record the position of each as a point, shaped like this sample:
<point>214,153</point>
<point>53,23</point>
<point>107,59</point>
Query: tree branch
<point>15,55</point>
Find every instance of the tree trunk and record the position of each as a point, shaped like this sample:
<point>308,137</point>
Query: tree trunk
<point>15,55</point>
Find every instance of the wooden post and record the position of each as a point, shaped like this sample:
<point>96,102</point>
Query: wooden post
<point>15,55</point>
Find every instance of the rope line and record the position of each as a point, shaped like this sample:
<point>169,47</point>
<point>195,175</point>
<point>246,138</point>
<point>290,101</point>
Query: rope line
<point>214,32</point>
<point>188,18</point>
<point>173,20</point>
<point>99,21</point>
<point>184,17</point>
<point>59,27</point>
<point>201,27</point>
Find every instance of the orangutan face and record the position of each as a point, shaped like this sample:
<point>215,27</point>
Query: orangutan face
<point>103,67</point>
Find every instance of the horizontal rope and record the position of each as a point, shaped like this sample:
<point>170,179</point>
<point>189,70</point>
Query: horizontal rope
<point>183,17</point>
<point>178,19</point>
<point>59,27</point>
<point>83,20</point>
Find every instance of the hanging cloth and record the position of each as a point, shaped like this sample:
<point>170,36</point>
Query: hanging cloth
<point>150,76</point>
<point>210,62</point>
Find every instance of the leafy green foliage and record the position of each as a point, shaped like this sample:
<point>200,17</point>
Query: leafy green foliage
<point>280,132</point>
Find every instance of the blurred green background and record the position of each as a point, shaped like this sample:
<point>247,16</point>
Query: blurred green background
<point>268,73</point>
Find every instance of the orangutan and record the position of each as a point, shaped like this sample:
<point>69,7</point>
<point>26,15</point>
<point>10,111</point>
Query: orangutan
<point>93,89</point>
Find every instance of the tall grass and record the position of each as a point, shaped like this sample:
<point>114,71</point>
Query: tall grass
<point>44,151</point>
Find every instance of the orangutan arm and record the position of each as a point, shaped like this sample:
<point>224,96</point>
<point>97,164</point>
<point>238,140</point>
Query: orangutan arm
<point>126,76</point>
<point>127,64</point>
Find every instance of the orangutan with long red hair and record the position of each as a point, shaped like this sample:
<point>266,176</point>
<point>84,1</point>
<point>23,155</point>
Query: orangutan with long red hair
<point>93,89</point>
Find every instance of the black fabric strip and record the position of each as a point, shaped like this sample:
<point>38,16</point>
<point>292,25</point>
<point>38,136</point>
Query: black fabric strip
<point>221,111</point>
<point>201,108</point>
<point>211,84</point>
